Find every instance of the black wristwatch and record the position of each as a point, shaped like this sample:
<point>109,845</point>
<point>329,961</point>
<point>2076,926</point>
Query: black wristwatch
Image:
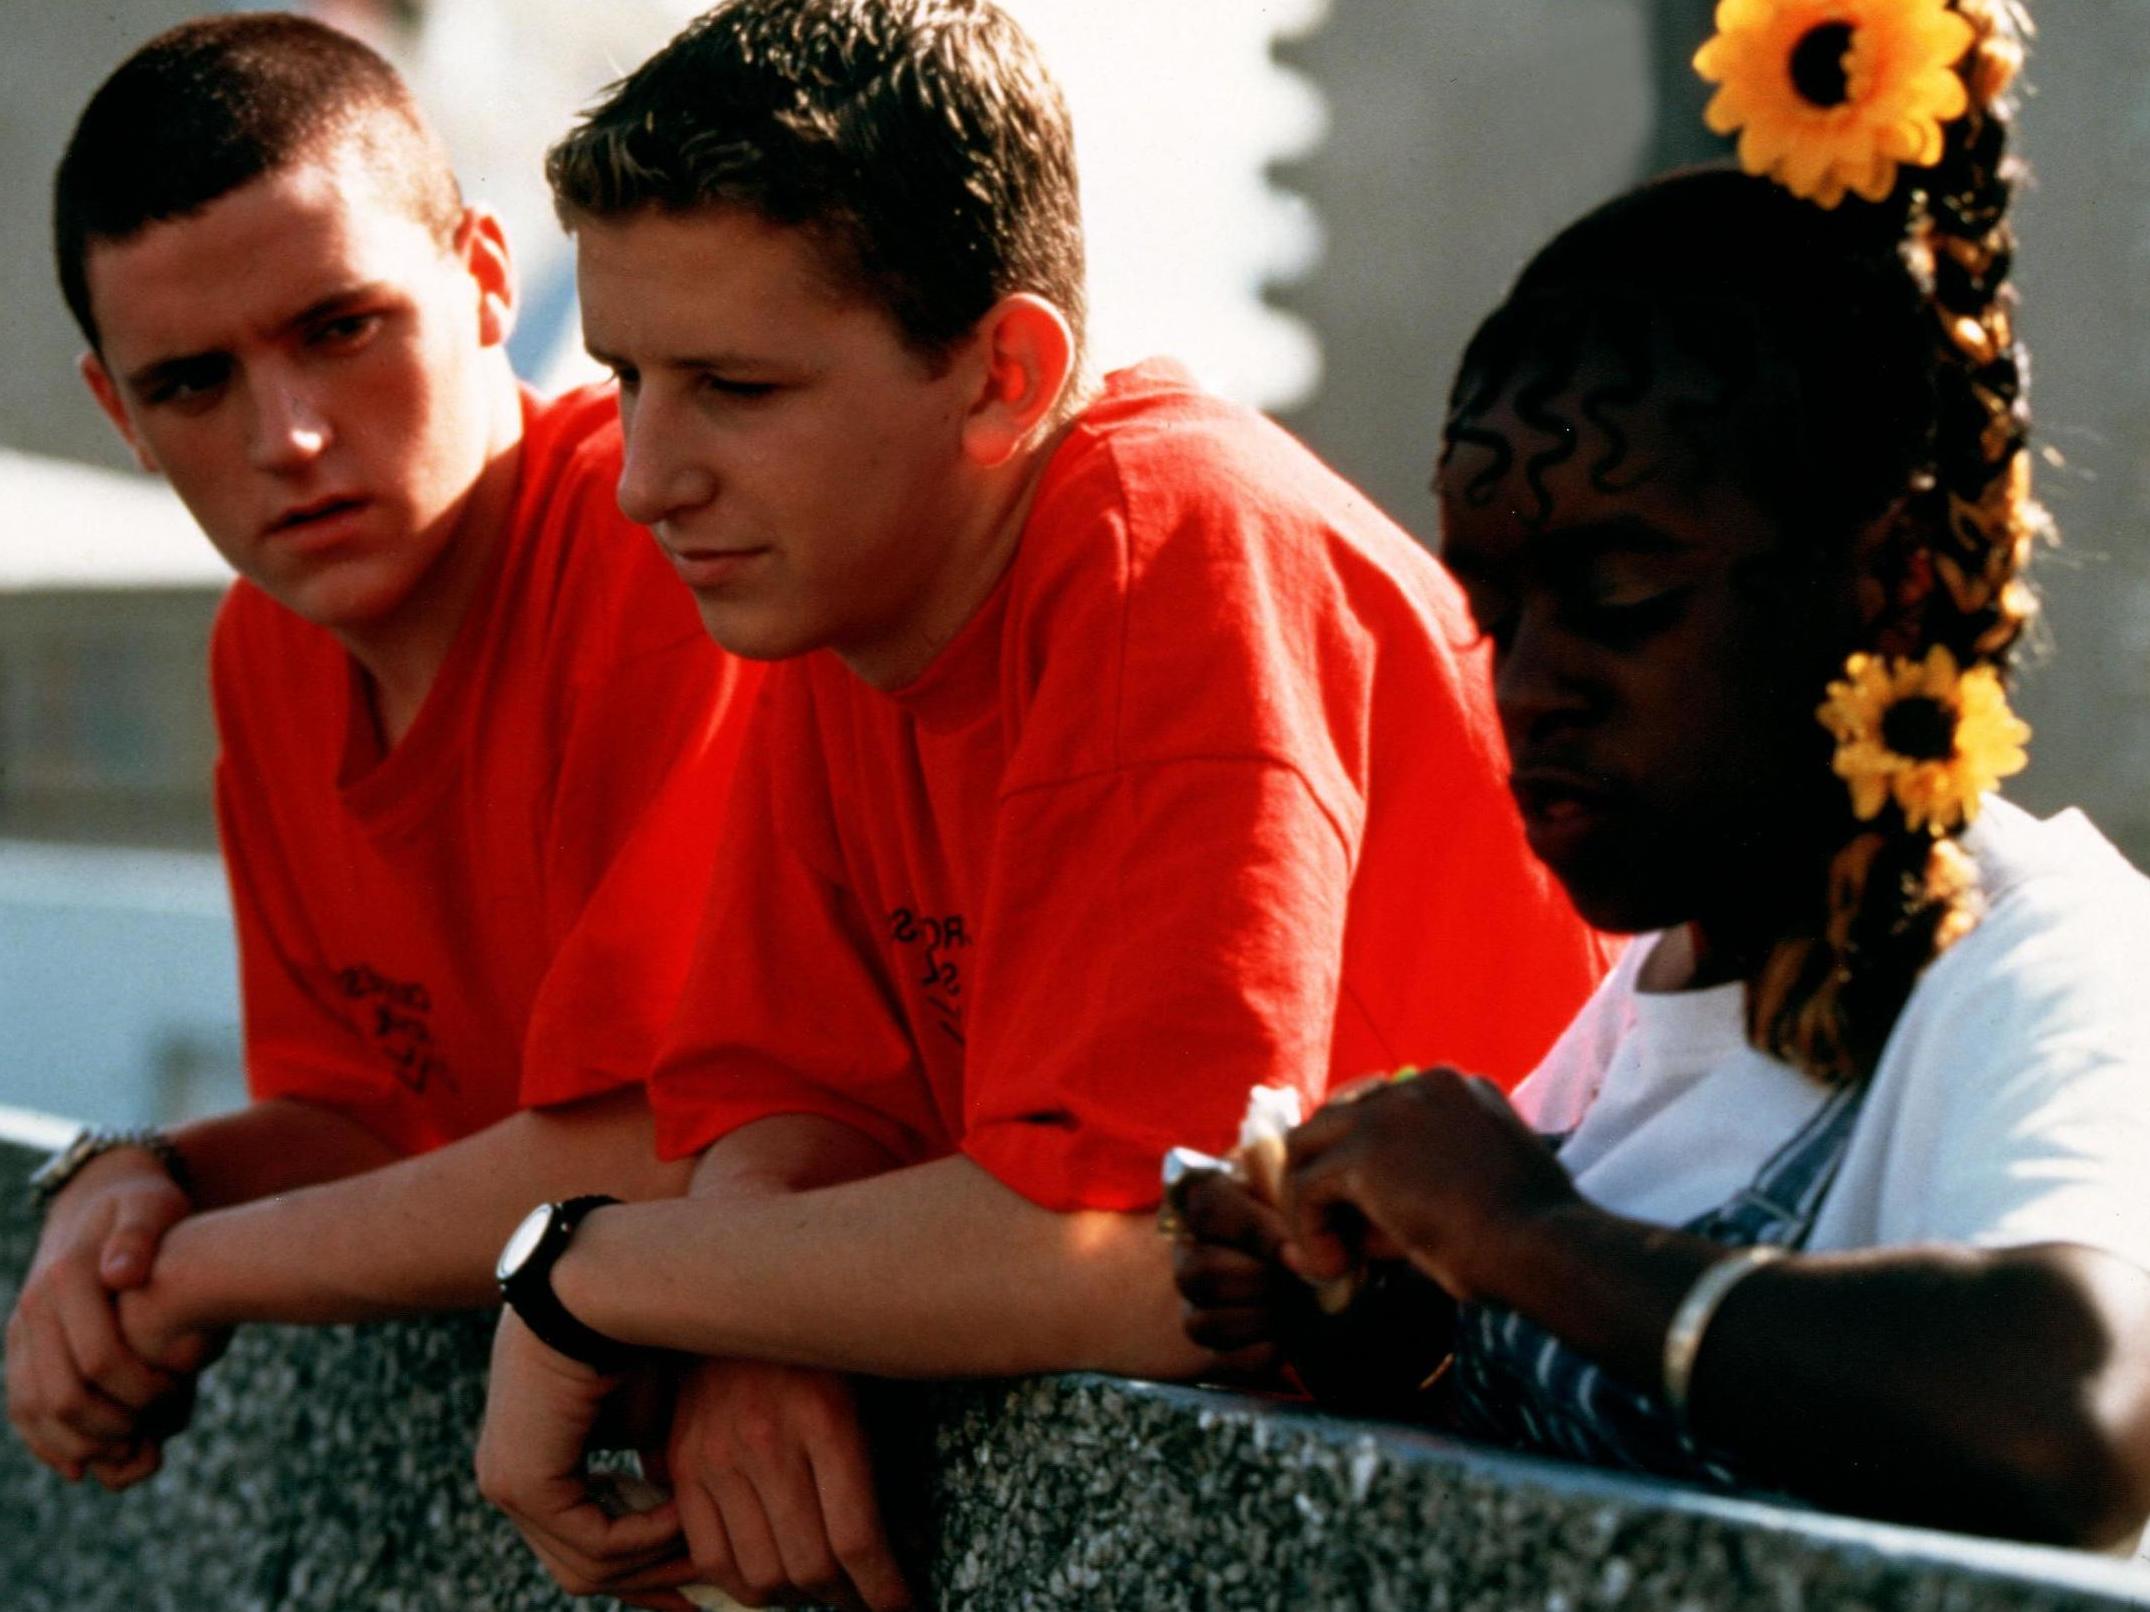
<point>525,1275</point>
<point>53,1176</point>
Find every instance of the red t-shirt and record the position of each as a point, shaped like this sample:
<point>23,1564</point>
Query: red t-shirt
<point>488,916</point>
<point>1208,794</point>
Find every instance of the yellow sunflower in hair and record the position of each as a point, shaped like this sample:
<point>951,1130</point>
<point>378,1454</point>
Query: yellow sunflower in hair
<point>1829,96</point>
<point>1934,738</point>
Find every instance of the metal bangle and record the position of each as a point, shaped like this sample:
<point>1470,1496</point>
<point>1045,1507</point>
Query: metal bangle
<point>1683,1339</point>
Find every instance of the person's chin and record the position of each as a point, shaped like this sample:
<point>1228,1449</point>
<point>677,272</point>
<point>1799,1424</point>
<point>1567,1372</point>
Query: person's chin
<point>1622,886</point>
<point>753,630</point>
<point>342,597</point>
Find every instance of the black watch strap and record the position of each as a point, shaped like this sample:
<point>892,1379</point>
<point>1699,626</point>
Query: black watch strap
<point>527,1287</point>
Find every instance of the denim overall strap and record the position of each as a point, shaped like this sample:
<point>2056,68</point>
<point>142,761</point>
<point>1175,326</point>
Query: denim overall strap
<point>1515,1383</point>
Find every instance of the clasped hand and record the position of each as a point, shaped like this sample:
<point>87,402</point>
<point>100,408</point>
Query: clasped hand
<point>1437,1170</point>
<point>100,1369</point>
<point>773,1486</point>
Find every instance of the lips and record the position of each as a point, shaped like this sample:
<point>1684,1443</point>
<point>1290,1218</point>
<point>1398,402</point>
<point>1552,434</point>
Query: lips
<point>702,568</point>
<point>315,516</point>
<point>1563,807</point>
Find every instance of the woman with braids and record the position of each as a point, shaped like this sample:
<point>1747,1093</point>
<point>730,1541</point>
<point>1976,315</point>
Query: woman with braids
<point>1840,1186</point>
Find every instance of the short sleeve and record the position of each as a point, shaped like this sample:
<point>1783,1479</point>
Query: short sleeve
<point>785,1010</point>
<point>2026,1113</point>
<point>297,1044</point>
<point>647,764</point>
<point>1166,936</point>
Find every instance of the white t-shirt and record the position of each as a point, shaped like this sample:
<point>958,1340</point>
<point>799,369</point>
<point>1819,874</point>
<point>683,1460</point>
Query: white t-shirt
<point>2011,1104</point>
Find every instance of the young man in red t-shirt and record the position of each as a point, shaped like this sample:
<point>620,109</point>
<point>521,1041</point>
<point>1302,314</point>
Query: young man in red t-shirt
<point>472,732</point>
<point>1120,759</point>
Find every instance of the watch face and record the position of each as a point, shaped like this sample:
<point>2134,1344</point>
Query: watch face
<point>523,1241</point>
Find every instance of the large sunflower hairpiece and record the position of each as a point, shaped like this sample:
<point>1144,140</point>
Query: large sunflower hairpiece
<point>1829,96</point>
<point>1931,737</point>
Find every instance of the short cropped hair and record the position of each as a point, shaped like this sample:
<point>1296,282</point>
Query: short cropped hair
<point>922,141</point>
<point>217,103</point>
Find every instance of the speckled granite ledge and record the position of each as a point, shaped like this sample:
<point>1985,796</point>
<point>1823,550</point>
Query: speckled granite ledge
<point>331,1470</point>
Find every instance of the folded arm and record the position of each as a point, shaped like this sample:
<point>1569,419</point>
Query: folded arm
<point>2004,1391</point>
<point>415,1234</point>
<point>936,1270</point>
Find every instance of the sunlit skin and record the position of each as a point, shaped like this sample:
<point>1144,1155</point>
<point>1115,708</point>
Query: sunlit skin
<point>322,381</point>
<point>818,482</point>
<point>1659,651</point>
<point>1658,654</point>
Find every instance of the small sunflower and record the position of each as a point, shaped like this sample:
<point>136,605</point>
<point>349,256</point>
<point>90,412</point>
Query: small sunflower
<point>1830,95</point>
<point>1934,738</point>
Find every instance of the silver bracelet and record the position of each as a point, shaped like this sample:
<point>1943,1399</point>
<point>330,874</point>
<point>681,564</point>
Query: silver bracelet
<point>1683,1339</point>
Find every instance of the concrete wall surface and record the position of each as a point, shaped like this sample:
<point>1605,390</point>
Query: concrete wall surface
<point>331,1470</point>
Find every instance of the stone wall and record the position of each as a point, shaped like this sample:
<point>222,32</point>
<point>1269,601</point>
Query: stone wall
<point>331,1470</point>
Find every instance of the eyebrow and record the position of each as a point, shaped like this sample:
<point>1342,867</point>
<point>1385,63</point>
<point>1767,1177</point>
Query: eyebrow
<point>177,366</point>
<point>681,361</point>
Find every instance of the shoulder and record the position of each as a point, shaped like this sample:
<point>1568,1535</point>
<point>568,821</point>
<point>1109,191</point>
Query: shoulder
<point>1192,545</point>
<point>263,660</point>
<point>2066,925</point>
<point>597,579</point>
<point>1195,484</point>
<point>570,467</point>
<point>2050,984</point>
<point>2014,1095</point>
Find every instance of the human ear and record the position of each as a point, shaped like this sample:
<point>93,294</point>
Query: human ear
<point>482,244</point>
<point>106,390</point>
<point>1027,352</point>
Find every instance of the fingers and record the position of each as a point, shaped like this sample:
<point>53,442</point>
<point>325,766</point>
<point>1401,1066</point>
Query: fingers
<point>129,1468</point>
<point>38,1382</point>
<point>850,1514</point>
<point>100,1353</point>
<point>709,1542</point>
<point>590,1553</point>
<point>138,1227</point>
<point>776,1489</point>
<point>1229,1300</point>
<point>1217,1209</point>
<point>754,1571</point>
<point>57,1354</point>
<point>652,1578</point>
<point>1325,1231</point>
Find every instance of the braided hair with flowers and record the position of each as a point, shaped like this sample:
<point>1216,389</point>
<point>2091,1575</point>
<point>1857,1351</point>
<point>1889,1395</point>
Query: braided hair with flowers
<point>1849,291</point>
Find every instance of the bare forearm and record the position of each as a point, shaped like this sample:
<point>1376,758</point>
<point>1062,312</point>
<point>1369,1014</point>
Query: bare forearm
<point>785,1154</point>
<point>417,1234</point>
<point>936,1270</point>
<point>271,1147</point>
<point>1988,1391</point>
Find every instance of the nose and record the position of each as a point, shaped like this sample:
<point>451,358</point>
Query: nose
<point>661,476</point>
<point>290,429</point>
<point>1541,680</point>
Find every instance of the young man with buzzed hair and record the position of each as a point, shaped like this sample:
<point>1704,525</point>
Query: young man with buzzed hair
<point>1120,758</point>
<point>472,733</point>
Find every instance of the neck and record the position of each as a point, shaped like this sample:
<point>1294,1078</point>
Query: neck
<point>987,536</point>
<point>402,652</point>
<point>1783,898</point>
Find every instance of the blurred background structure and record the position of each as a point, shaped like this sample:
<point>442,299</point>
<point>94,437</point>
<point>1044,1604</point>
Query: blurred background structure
<point>1311,202</point>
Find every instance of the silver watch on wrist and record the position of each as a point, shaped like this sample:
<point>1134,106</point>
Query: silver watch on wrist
<point>51,1178</point>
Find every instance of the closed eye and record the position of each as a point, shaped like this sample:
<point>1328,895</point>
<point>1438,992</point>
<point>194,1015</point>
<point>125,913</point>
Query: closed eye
<point>724,386</point>
<point>1622,621</point>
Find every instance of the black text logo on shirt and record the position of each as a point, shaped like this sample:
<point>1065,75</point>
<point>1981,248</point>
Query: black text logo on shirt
<point>397,1014</point>
<point>930,946</point>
